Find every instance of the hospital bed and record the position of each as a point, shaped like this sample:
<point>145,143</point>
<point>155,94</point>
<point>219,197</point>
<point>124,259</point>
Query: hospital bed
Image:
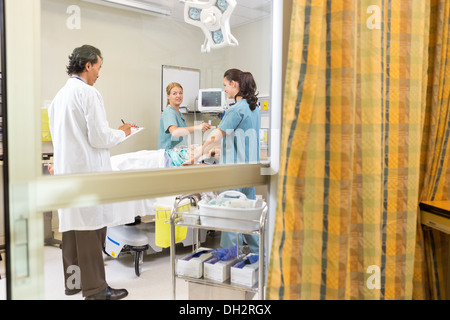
<point>139,237</point>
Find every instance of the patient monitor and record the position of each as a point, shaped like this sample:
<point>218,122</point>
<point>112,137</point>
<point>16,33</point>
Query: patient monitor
<point>212,100</point>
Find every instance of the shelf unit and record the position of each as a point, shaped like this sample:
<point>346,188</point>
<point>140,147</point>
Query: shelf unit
<point>193,221</point>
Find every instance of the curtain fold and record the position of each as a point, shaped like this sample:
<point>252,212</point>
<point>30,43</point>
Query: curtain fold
<point>432,245</point>
<point>352,165</point>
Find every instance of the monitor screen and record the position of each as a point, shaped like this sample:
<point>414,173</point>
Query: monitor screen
<point>212,99</point>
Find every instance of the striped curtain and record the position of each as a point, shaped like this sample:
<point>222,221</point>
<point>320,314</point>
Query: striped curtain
<point>433,246</point>
<point>352,161</point>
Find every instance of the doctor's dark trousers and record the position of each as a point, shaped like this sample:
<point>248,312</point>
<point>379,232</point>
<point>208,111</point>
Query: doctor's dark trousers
<point>85,250</point>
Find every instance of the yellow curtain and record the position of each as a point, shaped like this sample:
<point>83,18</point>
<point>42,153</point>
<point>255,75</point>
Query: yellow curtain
<point>432,245</point>
<point>350,174</point>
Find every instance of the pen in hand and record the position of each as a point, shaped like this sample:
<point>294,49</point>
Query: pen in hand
<point>133,125</point>
<point>126,127</point>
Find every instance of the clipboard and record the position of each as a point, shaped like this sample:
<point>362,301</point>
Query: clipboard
<point>134,131</point>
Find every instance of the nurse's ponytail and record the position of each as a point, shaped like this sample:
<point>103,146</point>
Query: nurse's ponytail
<point>247,86</point>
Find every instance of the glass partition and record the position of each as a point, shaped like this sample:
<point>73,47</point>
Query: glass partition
<point>136,44</point>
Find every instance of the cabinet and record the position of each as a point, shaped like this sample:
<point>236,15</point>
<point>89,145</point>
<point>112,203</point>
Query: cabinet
<point>436,215</point>
<point>193,220</point>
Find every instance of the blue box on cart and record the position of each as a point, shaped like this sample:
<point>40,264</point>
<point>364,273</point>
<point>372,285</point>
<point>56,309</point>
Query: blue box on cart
<point>218,270</point>
<point>191,265</point>
<point>245,274</point>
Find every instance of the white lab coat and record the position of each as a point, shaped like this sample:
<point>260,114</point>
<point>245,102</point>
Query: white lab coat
<point>81,140</point>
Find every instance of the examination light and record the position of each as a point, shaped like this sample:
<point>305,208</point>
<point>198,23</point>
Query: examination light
<point>213,17</point>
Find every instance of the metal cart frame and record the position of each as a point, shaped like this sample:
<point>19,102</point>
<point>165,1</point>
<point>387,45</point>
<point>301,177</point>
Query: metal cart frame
<point>177,219</point>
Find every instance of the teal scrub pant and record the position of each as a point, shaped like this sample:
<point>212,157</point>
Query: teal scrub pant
<point>230,239</point>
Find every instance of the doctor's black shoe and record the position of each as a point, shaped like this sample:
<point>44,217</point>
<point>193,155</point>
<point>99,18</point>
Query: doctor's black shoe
<point>71,292</point>
<point>109,294</point>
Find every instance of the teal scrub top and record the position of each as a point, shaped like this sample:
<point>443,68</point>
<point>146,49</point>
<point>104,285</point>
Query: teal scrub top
<point>241,125</point>
<point>170,117</point>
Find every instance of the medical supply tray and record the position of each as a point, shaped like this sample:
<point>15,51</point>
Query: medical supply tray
<point>239,218</point>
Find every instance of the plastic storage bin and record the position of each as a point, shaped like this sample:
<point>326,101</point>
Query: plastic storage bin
<point>239,214</point>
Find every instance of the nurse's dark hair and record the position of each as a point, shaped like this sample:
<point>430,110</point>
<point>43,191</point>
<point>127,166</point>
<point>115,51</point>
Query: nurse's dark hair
<point>247,85</point>
<point>80,56</point>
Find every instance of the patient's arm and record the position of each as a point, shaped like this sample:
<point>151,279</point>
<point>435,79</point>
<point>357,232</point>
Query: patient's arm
<point>212,141</point>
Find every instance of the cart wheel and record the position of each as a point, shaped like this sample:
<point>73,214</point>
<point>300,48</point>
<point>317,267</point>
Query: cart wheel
<point>137,263</point>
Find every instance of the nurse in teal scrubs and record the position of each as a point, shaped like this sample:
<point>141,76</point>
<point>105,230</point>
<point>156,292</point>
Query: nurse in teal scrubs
<point>172,125</point>
<point>238,132</point>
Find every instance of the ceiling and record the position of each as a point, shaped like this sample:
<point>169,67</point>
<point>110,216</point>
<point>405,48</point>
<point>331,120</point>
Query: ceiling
<point>246,10</point>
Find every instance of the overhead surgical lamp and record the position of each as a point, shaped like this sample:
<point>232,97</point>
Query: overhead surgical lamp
<point>213,17</point>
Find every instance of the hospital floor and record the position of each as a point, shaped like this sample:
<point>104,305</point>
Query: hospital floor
<point>154,282</point>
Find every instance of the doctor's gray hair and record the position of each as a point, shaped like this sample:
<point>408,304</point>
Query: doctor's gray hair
<point>80,56</point>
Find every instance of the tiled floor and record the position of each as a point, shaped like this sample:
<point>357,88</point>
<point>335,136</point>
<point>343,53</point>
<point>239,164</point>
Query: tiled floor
<point>154,282</point>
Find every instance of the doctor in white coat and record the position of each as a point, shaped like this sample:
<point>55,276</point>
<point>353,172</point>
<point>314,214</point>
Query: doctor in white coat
<point>81,140</point>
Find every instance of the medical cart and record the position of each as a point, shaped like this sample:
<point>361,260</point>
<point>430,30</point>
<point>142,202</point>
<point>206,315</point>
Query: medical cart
<point>180,219</point>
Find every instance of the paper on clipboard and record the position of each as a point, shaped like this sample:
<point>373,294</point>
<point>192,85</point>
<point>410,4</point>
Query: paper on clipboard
<point>134,130</point>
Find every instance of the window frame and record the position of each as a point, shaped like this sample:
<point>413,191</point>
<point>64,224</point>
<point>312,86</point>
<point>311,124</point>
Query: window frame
<point>30,193</point>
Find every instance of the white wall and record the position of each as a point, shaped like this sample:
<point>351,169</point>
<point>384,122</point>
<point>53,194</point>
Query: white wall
<point>134,47</point>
